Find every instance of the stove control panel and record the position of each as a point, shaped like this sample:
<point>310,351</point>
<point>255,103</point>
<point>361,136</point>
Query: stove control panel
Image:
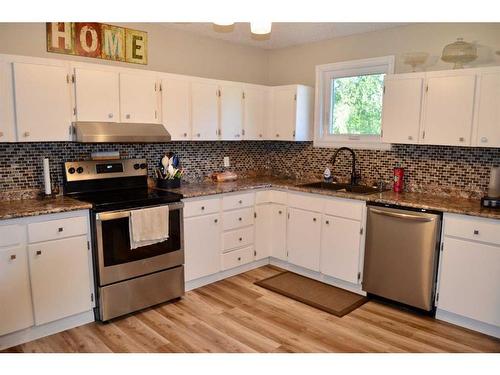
<point>101,169</point>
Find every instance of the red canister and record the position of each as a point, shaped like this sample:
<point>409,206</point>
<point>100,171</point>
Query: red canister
<point>399,174</point>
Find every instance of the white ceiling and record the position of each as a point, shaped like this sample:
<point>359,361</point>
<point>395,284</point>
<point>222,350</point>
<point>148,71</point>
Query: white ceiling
<point>284,34</point>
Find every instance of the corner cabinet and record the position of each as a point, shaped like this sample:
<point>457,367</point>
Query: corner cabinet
<point>488,109</point>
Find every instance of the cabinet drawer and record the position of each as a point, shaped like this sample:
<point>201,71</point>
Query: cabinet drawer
<point>11,235</point>
<point>230,202</point>
<point>237,238</point>
<point>55,229</point>
<point>201,207</point>
<point>307,202</point>
<point>237,258</point>
<point>347,208</point>
<point>472,228</point>
<point>238,218</point>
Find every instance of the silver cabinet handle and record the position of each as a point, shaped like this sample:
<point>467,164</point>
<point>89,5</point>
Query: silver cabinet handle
<point>237,135</point>
<point>13,257</point>
<point>26,134</point>
<point>410,137</point>
<point>198,134</point>
<point>110,115</point>
<point>39,252</point>
<point>185,134</point>
<point>127,116</point>
<point>461,139</point>
<point>483,139</point>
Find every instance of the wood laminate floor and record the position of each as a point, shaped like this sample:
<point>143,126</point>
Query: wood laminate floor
<point>234,315</point>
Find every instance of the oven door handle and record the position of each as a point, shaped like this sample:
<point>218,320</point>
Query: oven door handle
<point>105,216</point>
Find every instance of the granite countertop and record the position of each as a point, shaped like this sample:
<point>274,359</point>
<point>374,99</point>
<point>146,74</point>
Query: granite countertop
<point>10,209</point>
<point>426,201</point>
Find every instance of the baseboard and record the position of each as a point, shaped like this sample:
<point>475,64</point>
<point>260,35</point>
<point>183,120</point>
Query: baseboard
<point>462,321</point>
<point>36,332</point>
<point>193,284</point>
<point>355,288</point>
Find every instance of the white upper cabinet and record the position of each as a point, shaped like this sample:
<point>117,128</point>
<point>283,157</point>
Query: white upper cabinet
<point>292,113</point>
<point>7,118</point>
<point>488,119</point>
<point>231,112</point>
<point>176,108</point>
<point>448,109</point>
<point>42,102</point>
<point>254,113</point>
<point>402,107</point>
<point>97,95</point>
<point>139,98</point>
<point>204,113</point>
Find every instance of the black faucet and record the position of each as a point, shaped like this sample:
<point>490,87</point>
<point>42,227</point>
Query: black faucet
<point>353,172</point>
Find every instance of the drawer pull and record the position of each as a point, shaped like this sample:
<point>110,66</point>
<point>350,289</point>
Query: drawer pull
<point>239,259</point>
<point>240,201</point>
<point>216,221</point>
<point>314,219</point>
<point>327,222</point>
<point>240,239</point>
<point>60,229</point>
<point>202,208</point>
<point>13,257</point>
<point>280,212</point>
<point>240,219</point>
<point>39,252</point>
<point>476,232</point>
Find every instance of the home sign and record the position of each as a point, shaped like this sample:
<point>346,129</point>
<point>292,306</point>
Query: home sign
<point>98,40</point>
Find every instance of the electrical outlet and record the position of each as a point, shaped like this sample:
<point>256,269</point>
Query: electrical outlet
<point>226,161</point>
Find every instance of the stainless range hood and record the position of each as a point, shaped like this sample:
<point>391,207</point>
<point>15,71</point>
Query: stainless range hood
<point>113,132</point>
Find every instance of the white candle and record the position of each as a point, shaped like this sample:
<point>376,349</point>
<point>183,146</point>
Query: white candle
<point>46,176</point>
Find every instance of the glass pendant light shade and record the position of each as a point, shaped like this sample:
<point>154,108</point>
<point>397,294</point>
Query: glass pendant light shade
<point>260,28</point>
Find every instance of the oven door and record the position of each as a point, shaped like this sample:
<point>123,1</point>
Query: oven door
<point>118,262</point>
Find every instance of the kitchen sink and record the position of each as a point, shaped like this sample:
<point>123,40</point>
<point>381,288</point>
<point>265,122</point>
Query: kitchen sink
<point>359,189</point>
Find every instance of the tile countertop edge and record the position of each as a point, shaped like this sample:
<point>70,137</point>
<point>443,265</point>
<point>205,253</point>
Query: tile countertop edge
<point>34,207</point>
<point>460,206</point>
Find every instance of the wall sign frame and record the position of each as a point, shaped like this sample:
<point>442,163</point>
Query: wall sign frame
<point>98,40</point>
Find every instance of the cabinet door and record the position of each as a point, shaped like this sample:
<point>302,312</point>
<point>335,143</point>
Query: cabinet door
<point>254,113</point>
<point>43,102</point>
<point>231,112</point>
<point>340,241</point>
<point>263,230</point>
<point>204,111</point>
<point>303,238</point>
<point>16,311</point>
<point>202,246</point>
<point>488,133</point>
<point>469,280</point>
<point>176,109</point>
<point>139,98</point>
<point>284,114</point>
<point>448,110</point>
<point>278,231</point>
<point>7,118</point>
<point>401,109</point>
<point>97,95</point>
<point>59,278</point>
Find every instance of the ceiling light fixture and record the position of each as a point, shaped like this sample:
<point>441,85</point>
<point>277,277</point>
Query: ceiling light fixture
<point>223,26</point>
<point>260,28</point>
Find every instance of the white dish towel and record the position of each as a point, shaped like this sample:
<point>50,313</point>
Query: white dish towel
<point>148,226</point>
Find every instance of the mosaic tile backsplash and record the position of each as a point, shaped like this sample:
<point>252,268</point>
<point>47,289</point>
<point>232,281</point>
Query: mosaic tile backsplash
<point>461,170</point>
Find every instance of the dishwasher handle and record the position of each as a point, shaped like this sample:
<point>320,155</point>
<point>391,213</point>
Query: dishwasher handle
<point>402,216</point>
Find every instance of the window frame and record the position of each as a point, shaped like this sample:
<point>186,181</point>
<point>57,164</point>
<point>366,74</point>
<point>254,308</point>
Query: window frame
<point>324,75</point>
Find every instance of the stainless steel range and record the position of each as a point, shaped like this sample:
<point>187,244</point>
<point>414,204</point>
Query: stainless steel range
<point>127,279</point>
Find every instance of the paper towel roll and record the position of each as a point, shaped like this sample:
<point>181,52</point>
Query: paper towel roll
<point>46,176</point>
<point>494,186</point>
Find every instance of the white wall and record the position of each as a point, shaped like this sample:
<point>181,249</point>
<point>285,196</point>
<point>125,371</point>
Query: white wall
<point>297,64</point>
<point>169,51</point>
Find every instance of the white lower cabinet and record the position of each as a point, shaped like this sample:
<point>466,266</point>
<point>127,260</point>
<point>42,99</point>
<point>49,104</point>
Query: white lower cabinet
<point>303,238</point>
<point>340,248</point>
<point>263,230</point>
<point>202,243</point>
<point>16,311</point>
<point>60,278</point>
<point>278,231</point>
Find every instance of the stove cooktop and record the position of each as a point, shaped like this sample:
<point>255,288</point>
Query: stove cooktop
<point>127,198</point>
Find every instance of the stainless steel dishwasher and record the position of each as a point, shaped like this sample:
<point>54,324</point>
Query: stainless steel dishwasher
<point>401,254</point>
